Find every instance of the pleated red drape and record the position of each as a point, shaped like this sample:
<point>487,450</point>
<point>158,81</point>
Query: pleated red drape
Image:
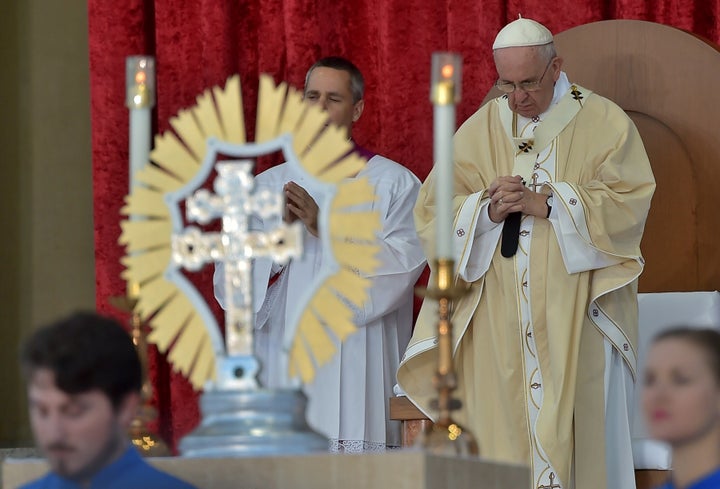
<point>198,44</point>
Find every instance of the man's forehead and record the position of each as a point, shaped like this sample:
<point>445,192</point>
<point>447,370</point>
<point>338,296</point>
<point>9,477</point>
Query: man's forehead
<point>42,378</point>
<point>517,60</point>
<point>517,55</point>
<point>42,386</point>
<point>325,79</point>
<point>49,395</point>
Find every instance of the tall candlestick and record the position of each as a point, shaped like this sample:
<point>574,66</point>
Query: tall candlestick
<point>444,94</point>
<point>445,436</point>
<point>140,99</point>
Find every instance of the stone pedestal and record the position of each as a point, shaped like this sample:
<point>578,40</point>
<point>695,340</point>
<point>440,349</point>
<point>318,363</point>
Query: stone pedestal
<point>15,453</point>
<point>398,469</point>
<point>413,421</point>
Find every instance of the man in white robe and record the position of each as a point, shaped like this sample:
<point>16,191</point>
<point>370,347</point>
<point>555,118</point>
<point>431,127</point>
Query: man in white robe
<point>348,399</point>
<point>552,189</point>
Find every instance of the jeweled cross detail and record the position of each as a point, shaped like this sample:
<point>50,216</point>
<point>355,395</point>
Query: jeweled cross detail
<point>535,183</point>
<point>235,245</point>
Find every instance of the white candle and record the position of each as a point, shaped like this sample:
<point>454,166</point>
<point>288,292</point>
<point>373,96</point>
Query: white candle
<point>444,93</point>
<point>140,137</point>
<point>140,99</point>
<point>443,128</point>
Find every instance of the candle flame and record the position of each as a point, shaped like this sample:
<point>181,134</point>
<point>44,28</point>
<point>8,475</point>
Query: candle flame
<point>140,77</point>
<point>447,71</point>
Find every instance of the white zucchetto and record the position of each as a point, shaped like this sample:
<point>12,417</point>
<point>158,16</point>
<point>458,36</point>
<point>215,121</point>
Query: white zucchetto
<point>522,32</point>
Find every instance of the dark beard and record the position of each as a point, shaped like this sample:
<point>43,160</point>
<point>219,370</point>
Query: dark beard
<point>108,454</point>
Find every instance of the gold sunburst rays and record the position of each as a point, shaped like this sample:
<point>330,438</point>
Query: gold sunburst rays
<point>328,316</point>
<point>176,326</point>
<point>323,152</point>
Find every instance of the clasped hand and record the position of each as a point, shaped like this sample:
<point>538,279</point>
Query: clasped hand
<point>300,205</point>
<point>509,194</point>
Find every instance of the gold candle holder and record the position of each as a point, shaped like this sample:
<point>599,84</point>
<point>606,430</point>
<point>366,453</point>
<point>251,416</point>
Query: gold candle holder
<point>148,443</point>
<point>445,436</point>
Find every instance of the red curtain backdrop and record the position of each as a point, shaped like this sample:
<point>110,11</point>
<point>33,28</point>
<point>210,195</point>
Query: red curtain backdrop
<point>198,44</point>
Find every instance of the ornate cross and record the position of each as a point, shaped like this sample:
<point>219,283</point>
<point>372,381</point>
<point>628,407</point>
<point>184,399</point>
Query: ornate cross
<point>535,183</point>
<point>552,484</point>
<point>235,245</point>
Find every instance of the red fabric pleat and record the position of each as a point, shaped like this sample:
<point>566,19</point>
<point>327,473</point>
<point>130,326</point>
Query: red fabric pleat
<point>200,44</point>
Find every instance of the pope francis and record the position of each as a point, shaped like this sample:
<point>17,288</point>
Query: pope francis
<point>551,192</point>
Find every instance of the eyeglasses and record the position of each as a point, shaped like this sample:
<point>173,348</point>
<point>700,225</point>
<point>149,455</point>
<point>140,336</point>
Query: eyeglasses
<point>526,86</point>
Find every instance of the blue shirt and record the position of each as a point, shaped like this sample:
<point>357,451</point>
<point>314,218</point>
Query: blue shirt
<point>129,471</point>
<point>712,481</point>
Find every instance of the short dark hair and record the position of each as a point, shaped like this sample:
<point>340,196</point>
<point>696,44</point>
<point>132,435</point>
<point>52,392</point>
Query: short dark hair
<point>707,340</point>
<point>85,351</point>
<point>357,82</point>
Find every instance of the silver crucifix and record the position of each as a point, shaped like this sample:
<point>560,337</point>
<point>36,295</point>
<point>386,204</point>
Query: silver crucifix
<point>235,245</point>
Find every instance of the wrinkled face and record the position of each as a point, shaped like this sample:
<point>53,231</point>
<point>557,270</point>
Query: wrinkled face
<point>79,433</point>
<point>525,64</point>
<point>681,397</point>
<point>331,90</point>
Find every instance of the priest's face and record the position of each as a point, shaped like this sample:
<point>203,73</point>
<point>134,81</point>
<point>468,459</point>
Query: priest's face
<point>331,90</point>
<point>681,395</point>
<point>81,433</point>
<point>526,66</point>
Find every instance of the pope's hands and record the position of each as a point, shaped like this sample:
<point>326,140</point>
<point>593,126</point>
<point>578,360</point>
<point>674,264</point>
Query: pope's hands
<point>509,194</point>
<point>299,205</point>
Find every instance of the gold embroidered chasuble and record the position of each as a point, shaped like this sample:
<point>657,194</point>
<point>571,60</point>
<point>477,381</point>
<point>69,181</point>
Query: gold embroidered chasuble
<point>530,335</point>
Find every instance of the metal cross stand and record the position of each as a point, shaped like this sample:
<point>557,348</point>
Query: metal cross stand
<point>239,418</point>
